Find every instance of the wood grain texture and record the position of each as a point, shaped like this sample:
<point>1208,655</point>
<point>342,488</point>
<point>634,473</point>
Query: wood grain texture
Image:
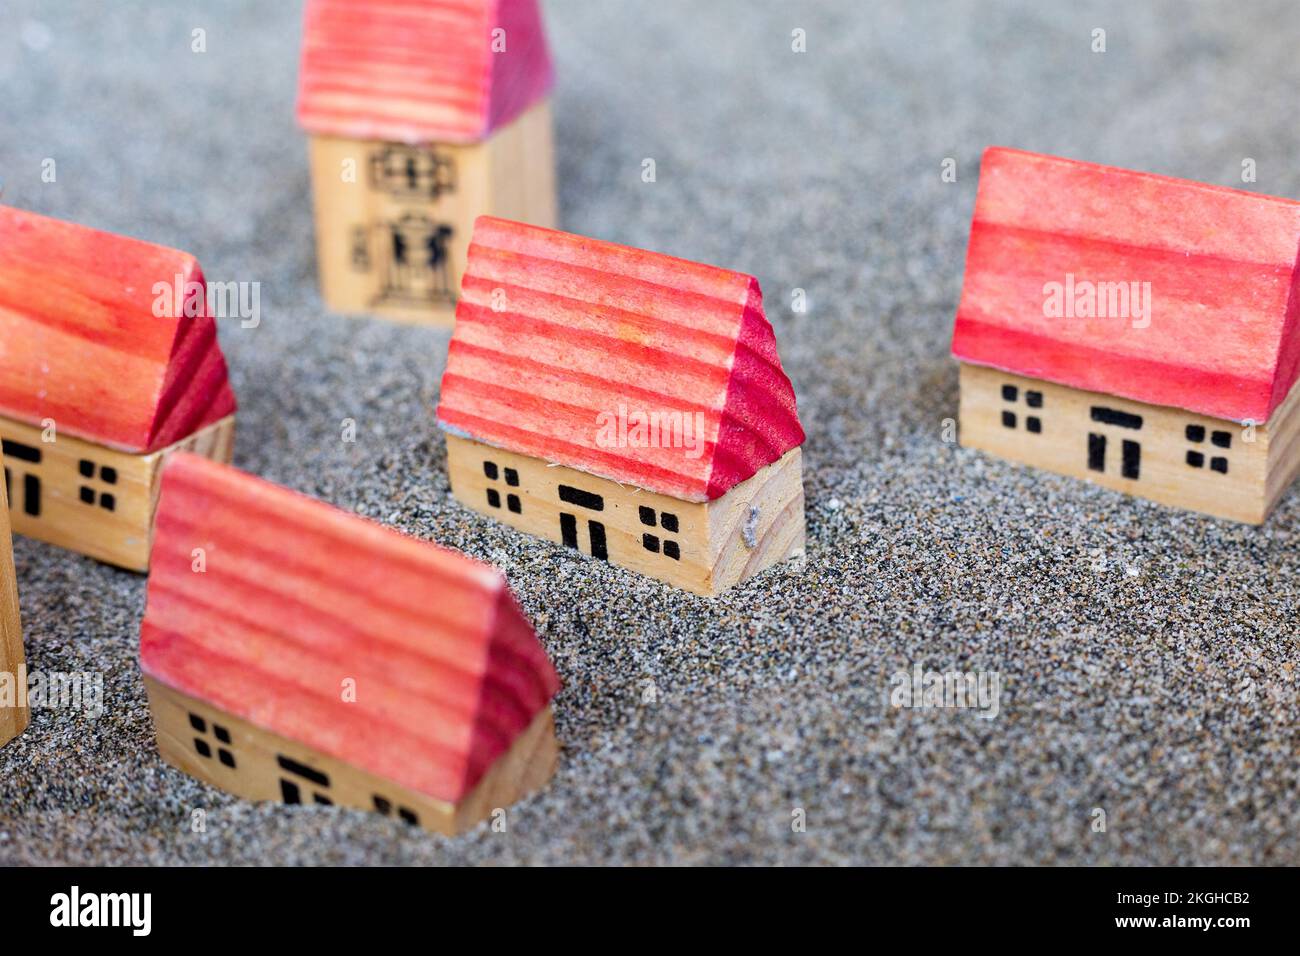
<point>1221,336</point>
<point>12,718</point>
<point>55,500</point>
<point>758,523</point>
<point>419,71</point>
<point>393,655</point>
<point>362,220</point>
<point>1163,472</point>
<point>712,540</point>
<point>559,336</point>
<point>1281,437</point>
<point>234,755</point>
<point>91,344</point>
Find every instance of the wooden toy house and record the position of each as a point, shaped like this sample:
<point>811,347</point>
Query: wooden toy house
<point>13,714</point>
<point>624,403</point>
<point>102,375</point>
<point>1133,330</point>
<point>422,115</point>
<point>295,652</point>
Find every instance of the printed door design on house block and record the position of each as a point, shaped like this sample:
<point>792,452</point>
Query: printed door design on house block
<point>589,503</point>
<point>1113,445</point>
<point>22,476</point>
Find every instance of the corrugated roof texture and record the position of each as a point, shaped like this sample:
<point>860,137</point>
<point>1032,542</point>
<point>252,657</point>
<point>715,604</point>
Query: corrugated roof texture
<point>86,338</point>
<point>416,71</point>
<point>298,596</point>
<point>1217,267</point>
<point>561,342</point>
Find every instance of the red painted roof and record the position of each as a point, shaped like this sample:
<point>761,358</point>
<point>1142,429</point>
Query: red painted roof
<point>299,596</point>
<point>556,333</point>
<point>80,342</point>
<point>1221,263</point>
<point>416,71</point>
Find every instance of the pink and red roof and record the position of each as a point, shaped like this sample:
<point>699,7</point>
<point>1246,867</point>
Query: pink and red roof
<point>298,596</point>
<point>82,343</point>
<point>1221,263</point>
<point>418,71</point>
<point>558,335</point>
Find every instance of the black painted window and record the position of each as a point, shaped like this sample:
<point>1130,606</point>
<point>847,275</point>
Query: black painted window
<point>1033,398</point>
<point>1130,459</point>
<point>514,503</point>
<point>19,452</point>
<point>1218,438</point>
<point>385,806</point>
<point>107,474</point>
<point>291,790</point>
<point>203,747</point>
<point>652,543</point>
<point>1113,416</point>
<point>1096,452</point>
<point>583,499</point>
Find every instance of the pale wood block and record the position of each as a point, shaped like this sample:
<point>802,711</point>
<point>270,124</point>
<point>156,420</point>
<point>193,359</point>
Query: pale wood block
<point>12,718</point>
<point>758,523</point>
<point>250,762</point>
<point>393,234</point>
<point>89,498</point>
<point>1282,439</point>
<point>717,543</point>
<point>1163,474</point>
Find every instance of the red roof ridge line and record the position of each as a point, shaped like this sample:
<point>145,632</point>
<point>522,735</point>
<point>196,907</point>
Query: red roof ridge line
<point>1163,177</point>
<point>1084,238</point>
<point>697,267</point>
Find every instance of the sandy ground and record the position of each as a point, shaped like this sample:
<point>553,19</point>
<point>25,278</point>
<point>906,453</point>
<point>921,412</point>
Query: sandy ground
<point>1147,657</point>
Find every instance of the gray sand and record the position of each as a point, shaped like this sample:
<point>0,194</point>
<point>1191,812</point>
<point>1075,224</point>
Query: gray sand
<point>1148,658</point>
